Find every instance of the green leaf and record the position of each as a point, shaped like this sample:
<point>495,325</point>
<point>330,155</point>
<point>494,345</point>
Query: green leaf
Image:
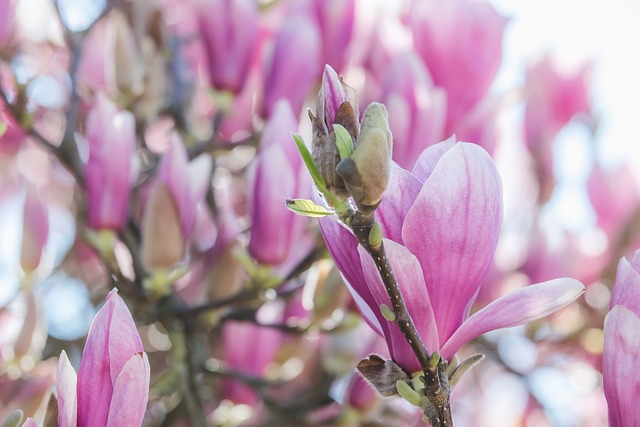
<point>3,128</point>
<point>311,165</point>
<point>306,207</point>
<point>343,141</point>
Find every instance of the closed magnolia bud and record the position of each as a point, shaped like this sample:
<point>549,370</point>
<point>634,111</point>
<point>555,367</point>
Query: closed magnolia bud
<point>337,103</point>
<point>128,67</point>
<point>366,173</point>
<point>162,239</point>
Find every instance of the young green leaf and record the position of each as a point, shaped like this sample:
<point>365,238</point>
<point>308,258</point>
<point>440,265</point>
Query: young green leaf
<point>408,393</point>
<point>343,141</point>
<point>3,128</point>
<point>306,207</point>
<point>387,313</point>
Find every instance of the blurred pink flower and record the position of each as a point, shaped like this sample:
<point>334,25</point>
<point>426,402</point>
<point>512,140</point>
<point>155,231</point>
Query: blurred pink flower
<point>112,141</point>
<point>111,61</point>
<point>277,173</point>
<point>186,180</point>
<point>417,109</point>
<point>249,349</point>
<point>622,346</point>
<point>441,225</point>
<point>112,385</point>
<point>460,41</point>
<point>554,96</point>
<point>7,20</point>
<point>229,31</point>
<point>35,231</point>
<point>13,134</point>
<point>291,67</point>
<point>336,22</point>
<point>615,197</point>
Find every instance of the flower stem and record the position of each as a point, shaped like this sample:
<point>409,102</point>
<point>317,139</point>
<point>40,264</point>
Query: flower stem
<point>436,408</point>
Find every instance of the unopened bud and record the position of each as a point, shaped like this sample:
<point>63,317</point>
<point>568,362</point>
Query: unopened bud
<point>366,173</point>
<point>162,239</point>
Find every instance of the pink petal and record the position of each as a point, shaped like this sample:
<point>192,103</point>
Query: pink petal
<point>66,381</point>
<point>296,58</point>
<point>453,229</point>
<point>517,308</point>
<point>620,366</point>
<point>343,248</point>
<point>414,291</point>
<point>112,340</point>
<point>626,291</point>
<point>403,189</point>
<point>431,156</point>
<point>130,393</point>
<point>34,232</point>
<point>29,423</point>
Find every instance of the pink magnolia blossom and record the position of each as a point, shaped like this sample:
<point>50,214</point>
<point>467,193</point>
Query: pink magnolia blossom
<point>186,180</point>
<point>249,349</point>
<point>554,96</point>
<point>291,67</point>
<point>229,31</point>
<point>34,232</point>
<point>622,346</point>
<point>277,173</point>
<point>460,41</point>
<point>441,225</point>
<point>336,21</point>
<point>112,385</point>
<point>7,20</point>
<point>417,110</point>
<point>112,141</point>
<point>13,135</point>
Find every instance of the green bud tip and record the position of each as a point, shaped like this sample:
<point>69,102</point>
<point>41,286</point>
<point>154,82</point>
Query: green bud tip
<point>387,313</point>
<point>434,359</point>
<point>375,235</point>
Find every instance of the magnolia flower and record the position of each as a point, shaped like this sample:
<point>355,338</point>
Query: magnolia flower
<point>417,109</point>
<point>229,31</point>
<point>336,20</point>
<point>622,346</point>
<point>112,385</point>
<point>34,232</point>
<point>112,139</point>
<point>291,69</point>
<point>460,41</point>
<point>441,225</point>
<point>277,173</point>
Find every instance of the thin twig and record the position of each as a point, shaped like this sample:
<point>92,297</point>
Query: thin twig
<point>435,378</point>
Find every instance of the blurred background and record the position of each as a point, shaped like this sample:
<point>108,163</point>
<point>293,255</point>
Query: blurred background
<point>103,101</point>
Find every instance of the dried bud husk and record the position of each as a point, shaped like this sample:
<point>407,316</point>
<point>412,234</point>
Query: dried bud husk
<point>366,174</point>
<point>382,374</point>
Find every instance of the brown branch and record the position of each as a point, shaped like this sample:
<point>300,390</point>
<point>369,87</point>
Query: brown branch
<point>435,378</point>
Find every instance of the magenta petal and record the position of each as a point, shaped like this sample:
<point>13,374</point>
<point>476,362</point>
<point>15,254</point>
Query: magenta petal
<point>112,340</point>
<point>414,291</point>
<point>620,366</point>
<point>66,381</point>
<point>430,157</point>
<point>626,291</point>
<point>130,393</point>
<point>343,248</point>
<point>518,307</point>
<point>403,189</point>
<point>453,229</point>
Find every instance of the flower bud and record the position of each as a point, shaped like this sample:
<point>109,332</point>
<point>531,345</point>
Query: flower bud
<point>35,231</point>
<point>366,173</point>
<point>162,240</point>
<point>337,103</point>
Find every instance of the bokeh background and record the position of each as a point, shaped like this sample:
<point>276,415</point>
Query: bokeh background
<point>557,113</point>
